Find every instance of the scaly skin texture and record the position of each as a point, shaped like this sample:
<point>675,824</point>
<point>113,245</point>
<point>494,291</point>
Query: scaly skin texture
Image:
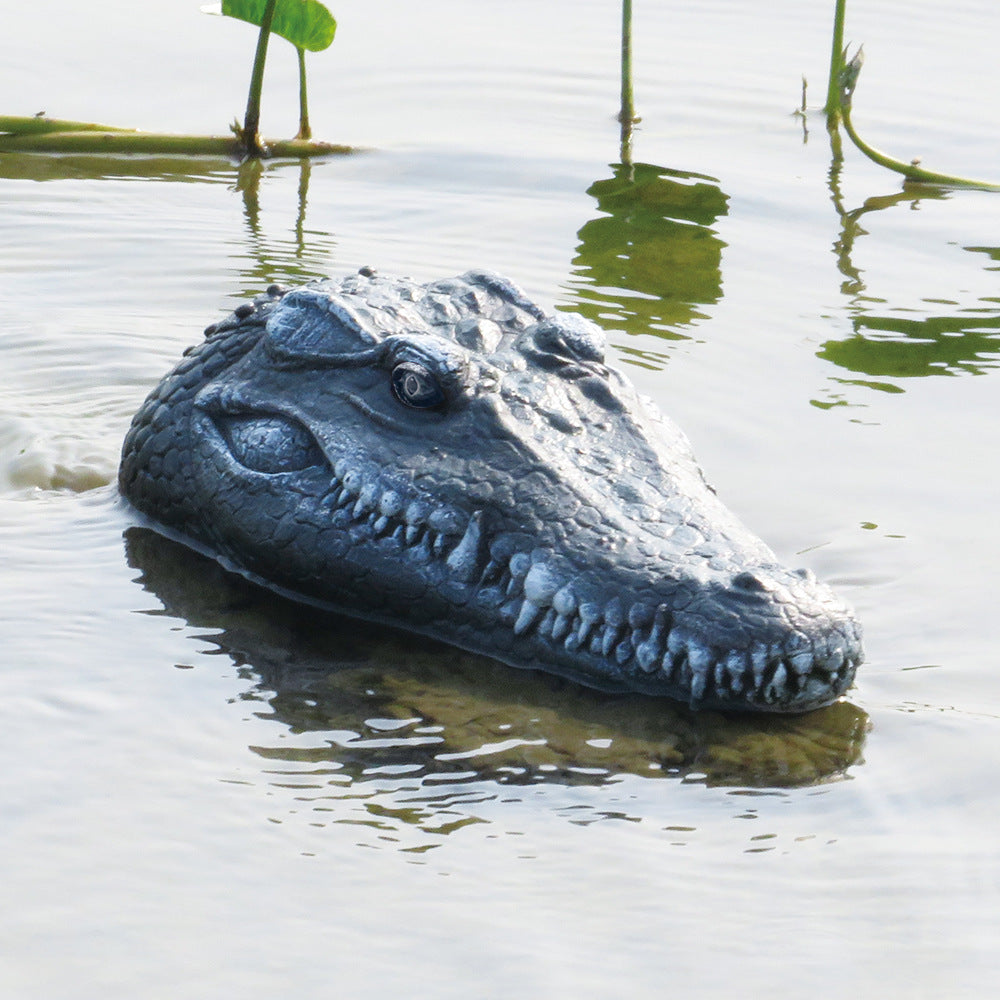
<point>447,458</point>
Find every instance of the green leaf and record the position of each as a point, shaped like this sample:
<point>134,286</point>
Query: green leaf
<point>307,24</point>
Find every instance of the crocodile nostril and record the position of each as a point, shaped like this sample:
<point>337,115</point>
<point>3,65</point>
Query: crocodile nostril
<point>749,582</point>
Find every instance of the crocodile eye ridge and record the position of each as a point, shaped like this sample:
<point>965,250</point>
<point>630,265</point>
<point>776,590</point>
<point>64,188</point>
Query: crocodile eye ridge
<point>416,386</point>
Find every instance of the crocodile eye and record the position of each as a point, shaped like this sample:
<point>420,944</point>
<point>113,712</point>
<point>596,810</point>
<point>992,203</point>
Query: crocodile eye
<point>414,385</point>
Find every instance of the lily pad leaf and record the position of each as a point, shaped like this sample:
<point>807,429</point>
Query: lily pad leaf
<point>307,24</point>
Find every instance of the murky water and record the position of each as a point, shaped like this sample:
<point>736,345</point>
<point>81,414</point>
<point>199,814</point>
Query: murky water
<point>208,792</point>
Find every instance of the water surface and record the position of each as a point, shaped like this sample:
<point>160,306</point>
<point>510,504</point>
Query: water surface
<point>208,792</point>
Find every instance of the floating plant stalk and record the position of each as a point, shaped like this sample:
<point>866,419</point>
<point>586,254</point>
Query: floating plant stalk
<point>912,171</point>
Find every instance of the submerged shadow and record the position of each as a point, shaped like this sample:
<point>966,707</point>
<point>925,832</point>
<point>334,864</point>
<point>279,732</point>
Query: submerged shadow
<point>388,703</point>
<point>651,260</point>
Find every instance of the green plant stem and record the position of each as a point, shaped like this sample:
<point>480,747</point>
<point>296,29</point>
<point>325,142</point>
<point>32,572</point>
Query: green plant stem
<point>627,113</point>
<point>912,171</point>
<point>53,135</point>
<point>40,125</point>
<point>837,53</point>
<point>305,132</point>
<point>251,122</point>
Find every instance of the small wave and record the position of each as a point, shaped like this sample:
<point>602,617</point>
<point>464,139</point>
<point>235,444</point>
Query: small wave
<point>70,464</point>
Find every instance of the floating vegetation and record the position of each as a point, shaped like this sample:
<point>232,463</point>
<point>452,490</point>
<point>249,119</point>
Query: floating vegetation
<point>307,24</point>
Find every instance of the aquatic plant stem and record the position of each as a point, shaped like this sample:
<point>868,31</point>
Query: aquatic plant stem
<point>837,55</point>
<point>912,171</point>
<point>626,115</point>
<point>305,132</point>
<point>250,134</point>
<point>53,135</point>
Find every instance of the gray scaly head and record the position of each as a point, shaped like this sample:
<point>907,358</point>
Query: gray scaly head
<point>448,459</point>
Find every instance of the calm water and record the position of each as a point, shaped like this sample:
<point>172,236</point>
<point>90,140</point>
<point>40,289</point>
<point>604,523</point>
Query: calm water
<point>209,793</point>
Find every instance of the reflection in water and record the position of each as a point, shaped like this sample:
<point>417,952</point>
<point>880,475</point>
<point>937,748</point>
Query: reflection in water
<point>889,348</point>
<point>652,259</point>
<point>395,722</point>
<point>68,166</point>
<point>294,260</point>
<point>300,257</point>
<point>897,347</point>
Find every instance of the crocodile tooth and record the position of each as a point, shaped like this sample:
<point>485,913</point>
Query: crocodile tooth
<point>520,563</point>
<point>720,677</point>
<point>669,663</point>
<point>380,525</point>
<point>541,583</point>
<point>467,556</point>
<point>529,612</point>
<point>676,644</point>
<point>427,543</point>
<point>614,613</point>
<point>659,644</point>
<point>648,654</point>
<point>397,535</point>
<point>758,663</point>
<point>416,513</point>
<point>545,628</point>
<point>680,668</point>
<point>440,544</point>
<point>352,481</point>
<point>611,636</point>
<point>735,667</point>
<point>624,652</point>
<point>391,504</point>
<point>560,626</point>
<point>700,662</point>
<point>776,687</point>
<point>413,533</point>
<point>640,616</point>
<point>699,682</point>
<point>564,601</point>
<point>589,616</point>
<point>802,662</point>
<point>492,573</point>
<point>445,521</point>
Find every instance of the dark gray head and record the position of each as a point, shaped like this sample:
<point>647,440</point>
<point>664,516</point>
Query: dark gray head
<point>449,459</point>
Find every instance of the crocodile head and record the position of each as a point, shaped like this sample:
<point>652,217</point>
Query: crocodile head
<point>449,459</point>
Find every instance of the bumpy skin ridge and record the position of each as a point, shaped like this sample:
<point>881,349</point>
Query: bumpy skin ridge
<point>449,459</point>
